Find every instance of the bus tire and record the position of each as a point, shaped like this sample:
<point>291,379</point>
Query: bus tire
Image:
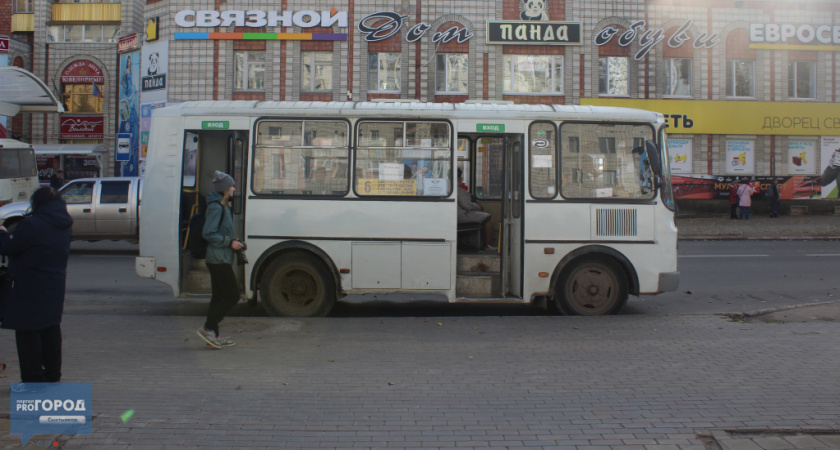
<point>593,285</point>
<point>297,284</point>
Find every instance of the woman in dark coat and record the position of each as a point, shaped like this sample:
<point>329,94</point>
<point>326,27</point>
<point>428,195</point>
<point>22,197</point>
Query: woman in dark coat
<point>32,296</point>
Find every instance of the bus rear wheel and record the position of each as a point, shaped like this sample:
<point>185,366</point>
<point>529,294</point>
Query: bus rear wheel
<point>592,286</point>
<point>297,285</point>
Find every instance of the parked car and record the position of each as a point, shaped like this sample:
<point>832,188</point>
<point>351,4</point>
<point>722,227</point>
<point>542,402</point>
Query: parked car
<point>102,208</point>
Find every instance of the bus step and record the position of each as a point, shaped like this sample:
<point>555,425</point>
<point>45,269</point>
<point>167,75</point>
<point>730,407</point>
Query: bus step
<point>477,285</point>
<point>489,263</point>
<point>197,280</point>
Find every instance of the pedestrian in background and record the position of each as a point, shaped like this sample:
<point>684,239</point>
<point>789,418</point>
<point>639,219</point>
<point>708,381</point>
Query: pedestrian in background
<point>733,200</point>
<point>773,195</point>
<point>32,295</point>
<point>745,192</point>
<point>221,246</point>
<point>57,179</point>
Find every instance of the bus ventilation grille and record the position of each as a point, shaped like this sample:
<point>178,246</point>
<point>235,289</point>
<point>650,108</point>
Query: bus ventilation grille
<point>616,222</point>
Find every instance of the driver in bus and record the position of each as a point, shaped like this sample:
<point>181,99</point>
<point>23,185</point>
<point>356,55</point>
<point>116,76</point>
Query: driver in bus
<point>471,212</point>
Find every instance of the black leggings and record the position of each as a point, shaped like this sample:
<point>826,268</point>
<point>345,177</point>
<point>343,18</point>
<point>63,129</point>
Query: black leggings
<point>225,294</point>
<point>39,355</point>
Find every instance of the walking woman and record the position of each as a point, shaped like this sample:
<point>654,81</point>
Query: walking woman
<point>745,192</point>
<point>32,296</point>
<point>221,246</point>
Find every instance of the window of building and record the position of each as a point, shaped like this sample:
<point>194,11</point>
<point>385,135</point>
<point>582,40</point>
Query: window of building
<point>317,71</point>
<point>249,71</point>
<point>678,77</point>
<point>613,75</point>
<point>452,73</point>
<point>740,78</point>
<point>384,72</point>
<point>525,74</point>
<point>80,98</point>
<point>403,159</point>
<point>83,33</point>
<point>23,6</point>
<point>802,79</point>
<point>604,161</point>
<point>301,158</point>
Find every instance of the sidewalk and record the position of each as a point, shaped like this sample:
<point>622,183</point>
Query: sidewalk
<point>814,227</point>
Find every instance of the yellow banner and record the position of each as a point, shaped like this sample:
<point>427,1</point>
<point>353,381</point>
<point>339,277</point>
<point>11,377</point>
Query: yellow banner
<point>738,117</point>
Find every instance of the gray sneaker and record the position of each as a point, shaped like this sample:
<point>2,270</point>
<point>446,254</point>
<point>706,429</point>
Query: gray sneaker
<point>209,336</point>
<point>225,342</point>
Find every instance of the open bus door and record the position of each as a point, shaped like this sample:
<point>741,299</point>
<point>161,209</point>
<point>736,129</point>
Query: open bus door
<point>205,152</point>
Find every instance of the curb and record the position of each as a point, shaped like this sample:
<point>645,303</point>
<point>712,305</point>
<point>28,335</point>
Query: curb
<point>762,312</point>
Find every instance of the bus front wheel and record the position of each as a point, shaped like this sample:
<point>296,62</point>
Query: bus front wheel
<point>591,286</point>
<point>297,285</point>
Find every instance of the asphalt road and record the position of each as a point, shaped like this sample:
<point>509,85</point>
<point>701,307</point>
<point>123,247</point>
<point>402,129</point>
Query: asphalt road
<point>717,277</point>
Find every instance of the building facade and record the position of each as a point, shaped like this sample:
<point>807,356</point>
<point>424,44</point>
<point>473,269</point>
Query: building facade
<point>750,88</point>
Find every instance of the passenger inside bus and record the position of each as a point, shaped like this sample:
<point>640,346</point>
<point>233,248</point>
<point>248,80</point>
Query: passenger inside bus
<point>470,212</point>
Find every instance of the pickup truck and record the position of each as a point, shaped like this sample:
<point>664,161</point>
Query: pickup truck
<point>102,208</point>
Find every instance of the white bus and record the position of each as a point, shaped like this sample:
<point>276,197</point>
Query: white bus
<point>338,198</point>
<point>18,171</point>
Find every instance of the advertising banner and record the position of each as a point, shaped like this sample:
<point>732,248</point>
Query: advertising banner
<point>830,151</point>
<point>128,133</point>
<point>680,151</point>
<point>740,157</point>
<point>710,187</point>
<point>153,69</point>
<point>801,156</point>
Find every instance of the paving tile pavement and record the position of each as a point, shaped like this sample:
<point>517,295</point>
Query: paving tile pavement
<point>619,382</point>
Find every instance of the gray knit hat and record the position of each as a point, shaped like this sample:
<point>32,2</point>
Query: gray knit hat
<point>222,181</point>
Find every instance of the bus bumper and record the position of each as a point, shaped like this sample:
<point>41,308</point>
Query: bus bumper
<point>669,281</point>
<point>145,266</point>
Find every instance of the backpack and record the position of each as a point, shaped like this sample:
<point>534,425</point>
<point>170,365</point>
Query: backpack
<point>196,243</point>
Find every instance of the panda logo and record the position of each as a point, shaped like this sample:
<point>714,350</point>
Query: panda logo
<point>154,68</point>
<point>533,10</point>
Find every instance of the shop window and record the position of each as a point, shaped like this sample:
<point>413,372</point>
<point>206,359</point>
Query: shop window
<point>678,77</point>
<point>802,79</point>
<point>92,33</point>
<point>249,71</point>
<point>384,72</point>
<point>740,78</point>
<point>452,73</point>
<point>613,75</point>
<point>83,98</point>
<point>526,74</point>
<point>317,72</point>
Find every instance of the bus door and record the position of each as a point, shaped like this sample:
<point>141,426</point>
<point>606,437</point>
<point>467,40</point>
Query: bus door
<point>205,152</point>
<point>510,245</point>
<point>237,150</point>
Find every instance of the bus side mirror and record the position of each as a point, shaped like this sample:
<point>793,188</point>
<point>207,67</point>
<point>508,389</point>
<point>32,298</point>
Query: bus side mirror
<point>653,157</point>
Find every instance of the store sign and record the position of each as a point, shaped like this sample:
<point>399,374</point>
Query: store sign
<point>82,127</point>
<point>127,43</point>
<point>725,117</point>
<point>804,34</point>
<point>82,71</point>
<point>4,44</point>
<point>536,33</point>
<point>384,24</point>
<point>258,19</point>
<point>649,38</point>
